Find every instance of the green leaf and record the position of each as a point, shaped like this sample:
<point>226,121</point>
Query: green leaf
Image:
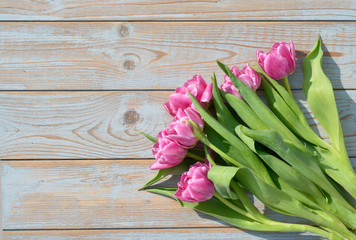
<point>224,146</point>
<point>152,139</point>
<point>222,177</point>
<point>282,201</point>
<point>283,93</point>
<point>301,159</point>
<point>342,173</point>
<point>245,112</point>
<point>168,192</point>
<point>175,170</point>
<point>269,195</point>
<point>287,174</point>
<point>222,112</point>
<point>320,96</point>
<point>295,122</point>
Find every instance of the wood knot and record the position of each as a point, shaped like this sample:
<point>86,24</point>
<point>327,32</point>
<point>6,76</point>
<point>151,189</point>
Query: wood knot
<point>123,31</point>
<point>131,62</point>
<point>131,116</point>
<point>129,65</point>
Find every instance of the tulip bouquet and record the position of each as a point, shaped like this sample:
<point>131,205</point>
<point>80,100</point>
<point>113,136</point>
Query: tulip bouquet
<point>226,142</point>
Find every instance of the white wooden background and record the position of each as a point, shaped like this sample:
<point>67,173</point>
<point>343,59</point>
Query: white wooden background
<point>79,81</point>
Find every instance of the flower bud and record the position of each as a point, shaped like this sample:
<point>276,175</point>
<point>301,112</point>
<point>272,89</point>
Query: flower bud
<point>247,75</point>
<point>279,62</point>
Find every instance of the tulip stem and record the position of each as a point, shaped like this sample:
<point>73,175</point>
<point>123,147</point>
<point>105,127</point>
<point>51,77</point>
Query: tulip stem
<point>195,156</point>
<point>286,85</point>
<point>233,206</point>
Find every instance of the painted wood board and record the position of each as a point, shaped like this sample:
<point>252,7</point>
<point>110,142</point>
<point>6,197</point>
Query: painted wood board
<point>92,125</point>
<point>177,10</point>
<point>223,233</point>
<point>157,55</point>
<point>81,194</point>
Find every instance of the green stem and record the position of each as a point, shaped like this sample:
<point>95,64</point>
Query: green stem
<point>249,206</point>
<point>273,225</point>
<point>195,156</point>
<point>291,227</point>
<point>286,85</point>
<point>233,206</point>
<point>207,154</point>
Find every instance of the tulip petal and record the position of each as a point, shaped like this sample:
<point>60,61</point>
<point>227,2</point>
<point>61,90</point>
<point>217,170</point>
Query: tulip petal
<point>207,94</point>
<point>284,52</point>
<point>276,66</point>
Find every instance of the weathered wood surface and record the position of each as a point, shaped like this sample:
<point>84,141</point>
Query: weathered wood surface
<point>178,10</point>
<point>160,234</point>
<point>94,194</point>
<point>66,125</point>
<point>122,55</point>
<point>73,160</point>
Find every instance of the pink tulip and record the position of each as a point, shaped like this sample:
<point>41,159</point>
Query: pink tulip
<point>194,185</point>
<point>189,114</point>
<point>279,62</point>
<point>180,99</point>
<point>181,133</point>
<point>167,153</point>
<point>247,75</point>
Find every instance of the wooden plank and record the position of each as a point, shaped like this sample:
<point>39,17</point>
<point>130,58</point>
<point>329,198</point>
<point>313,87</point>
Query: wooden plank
<point>67,194</point>
<point>178,10</point>
<point>162,234</point>
<point>67,125</point>
<point>119,56</point>
<point>94,194</point>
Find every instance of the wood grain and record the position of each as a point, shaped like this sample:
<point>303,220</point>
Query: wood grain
<point>95,194</point>
<point>161,234</point>
<point>177,10</point>
<point>122,55</point>
<point>83,125</point>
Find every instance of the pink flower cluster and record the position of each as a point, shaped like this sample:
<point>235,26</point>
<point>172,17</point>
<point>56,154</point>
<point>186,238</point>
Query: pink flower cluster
<point>278,63</point>
<point>174,142</point>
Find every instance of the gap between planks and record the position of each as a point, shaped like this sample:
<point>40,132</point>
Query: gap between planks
<point>178,21</point>
<point>133,90</point>
<point>178,10</point>
<point>226,233</point>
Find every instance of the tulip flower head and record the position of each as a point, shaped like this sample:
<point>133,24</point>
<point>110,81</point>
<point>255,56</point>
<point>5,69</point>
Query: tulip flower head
<point>194,185</point>
<point>167,152</point>
<point>279,62</point>
<point>180,99</point>
<point>181,133</point>
<point>189,114</point>
<point>247,75</point>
